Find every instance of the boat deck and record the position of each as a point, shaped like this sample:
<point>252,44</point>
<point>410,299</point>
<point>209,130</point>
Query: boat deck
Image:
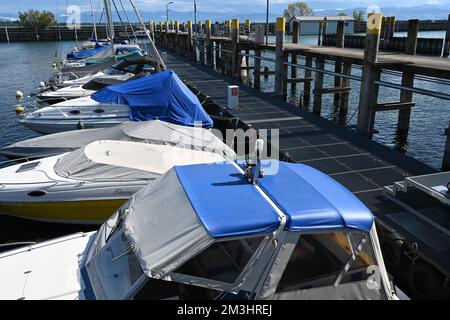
<point>361,165</point>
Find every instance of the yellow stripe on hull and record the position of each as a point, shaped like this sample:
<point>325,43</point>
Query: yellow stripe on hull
<point>68,211</point>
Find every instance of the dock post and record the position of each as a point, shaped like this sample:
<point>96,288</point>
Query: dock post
<point>279,65</point>
<point>228,28</point>
<point>235,61</point>
<point>446,160</point>
<point>307,84</point>
<point>177,41</point>
<point>209,45</point>
<point>343,107</point>
<point>370,73</point>
<point>59,31</point>
<point>295,38</point>
<point>447,39</point>
<point>217,53</point>
<point>248,26</point>
<point>7,34</point>
<point>318,85</point>
<point>257,70</point>
<point>201,44</point>
<point>166,34</point>
<point>404,115</point>
<point>340,40</point>
<point>190,49</point>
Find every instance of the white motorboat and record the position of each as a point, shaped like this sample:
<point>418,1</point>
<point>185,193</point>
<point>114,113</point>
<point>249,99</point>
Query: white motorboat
<point>88,185</point>
<point>213,232</point>
<point>160,96</point>
<point>127,69</point>
<point>152,132</point>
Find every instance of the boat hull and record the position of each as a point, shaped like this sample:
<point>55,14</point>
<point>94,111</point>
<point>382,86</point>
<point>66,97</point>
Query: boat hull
<point>69,212</point>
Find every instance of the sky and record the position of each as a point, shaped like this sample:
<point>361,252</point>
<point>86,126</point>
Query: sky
<point>8,7</point>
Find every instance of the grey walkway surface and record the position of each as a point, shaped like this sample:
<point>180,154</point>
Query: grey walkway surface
<point>361,165</point>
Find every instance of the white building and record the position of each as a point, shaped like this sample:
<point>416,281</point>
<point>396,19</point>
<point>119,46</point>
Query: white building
<point>309,25</point>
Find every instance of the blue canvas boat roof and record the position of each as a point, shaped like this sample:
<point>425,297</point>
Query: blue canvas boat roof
<point>225,203</point>
<point>162,96</point>
<point>83,54</point>
<point>229,206</point>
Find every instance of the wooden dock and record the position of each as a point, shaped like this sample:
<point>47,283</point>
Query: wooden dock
<point>349,156</point>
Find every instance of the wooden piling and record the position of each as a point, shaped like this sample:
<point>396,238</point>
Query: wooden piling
<point>201,44</point>
<point>177,41</point>
<point>447,39</point>
<point>279,47</point>
<point>295,39</point>
<point>7,34</point>
<point>404,115</point>
<point>340,40</point>
<point>166,34</point>
<point>190,48</point>
<point>344,101</point>
<point>307,84</point>
<point>370,74</point>
<point>209,45</point>
<point>318,85</point>
<point>228,28</point>
<point>446,160</point>
<point>235,57</point>
<point>257,71</point>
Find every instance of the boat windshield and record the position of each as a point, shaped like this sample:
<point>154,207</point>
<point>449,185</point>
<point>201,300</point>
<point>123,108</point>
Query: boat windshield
<point>335,260</point>
<point>115,268</point>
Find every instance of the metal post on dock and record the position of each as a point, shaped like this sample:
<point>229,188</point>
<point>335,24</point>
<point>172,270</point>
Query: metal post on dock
<point>447,39</point>
<point>446,160</point>
<point>209,46</point>
<point>295,38</point>
<point>7,34</point>
<point>370,73</point>
<point>406,96</point>
<point>235,57</point>
<point>279,47</point>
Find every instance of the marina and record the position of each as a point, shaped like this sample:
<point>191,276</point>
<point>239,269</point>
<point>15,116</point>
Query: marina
<point>300,201</point>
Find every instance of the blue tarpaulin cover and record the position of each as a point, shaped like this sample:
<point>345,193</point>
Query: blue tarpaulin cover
<point>162,96</point>
<point>313,201</point>
<point>83,54</point>
<point>227,205</point>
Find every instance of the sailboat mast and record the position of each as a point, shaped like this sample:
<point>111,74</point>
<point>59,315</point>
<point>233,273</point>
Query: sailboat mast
<point>109,18</point>
<point>93,19</point>
<point>138,15</point>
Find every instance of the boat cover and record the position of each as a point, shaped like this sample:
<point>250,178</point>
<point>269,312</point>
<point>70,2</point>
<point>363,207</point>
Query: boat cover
<point>186,210</point>
<point>152,132</point>
<point>107,160</point>
<point>83,54</point>
<point>160,96</point>
<point>111,57</point>
<point>322,204</point>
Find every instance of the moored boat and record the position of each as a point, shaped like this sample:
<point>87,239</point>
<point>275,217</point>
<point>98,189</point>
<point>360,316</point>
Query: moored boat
<point>293,234</point>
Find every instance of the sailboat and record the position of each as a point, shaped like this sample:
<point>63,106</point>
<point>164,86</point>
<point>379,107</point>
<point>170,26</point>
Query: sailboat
<point>127,69</point>
<point>293,233</point>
